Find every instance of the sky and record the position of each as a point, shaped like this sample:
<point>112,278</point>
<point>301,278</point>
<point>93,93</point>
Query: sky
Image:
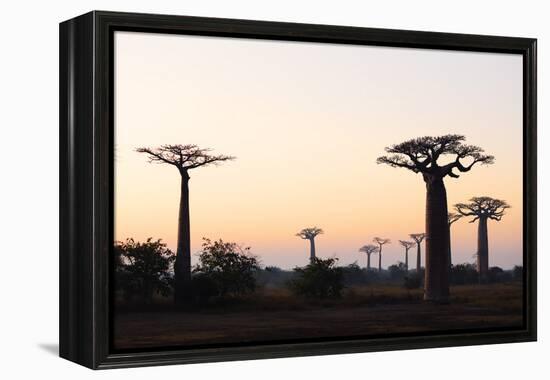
<point>306,122</point>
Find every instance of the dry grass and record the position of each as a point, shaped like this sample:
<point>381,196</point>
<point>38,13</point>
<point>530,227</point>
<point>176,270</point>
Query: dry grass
<point>273,314</point>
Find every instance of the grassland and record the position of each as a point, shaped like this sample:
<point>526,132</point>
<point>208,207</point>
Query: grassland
<point>276,314</point>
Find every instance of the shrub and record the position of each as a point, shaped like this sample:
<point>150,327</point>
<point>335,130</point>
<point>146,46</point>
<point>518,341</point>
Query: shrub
<point>412,281</point>
<point>273,277</point>
<point>319,279</point>
<point>225,267</point>
<point>354,275</point>
<point>517,273</point>
<point>142,269</point>
<point>372,276</point>
<point>273,269</point>
<point>397,271</point>
<point>464,274</point>
<point>497,275</point>
<point>204,288</point>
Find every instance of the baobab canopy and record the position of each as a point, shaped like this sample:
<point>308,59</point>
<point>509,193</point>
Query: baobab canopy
<point>309,233</point>
<point>483,207</point>
<point>421,154</point>
<point>184,157</point>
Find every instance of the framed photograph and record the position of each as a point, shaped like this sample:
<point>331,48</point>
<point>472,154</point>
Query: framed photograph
<point>235,189</point>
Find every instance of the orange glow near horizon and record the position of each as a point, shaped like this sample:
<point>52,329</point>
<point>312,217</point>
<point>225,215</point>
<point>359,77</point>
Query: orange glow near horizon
<point>306,122</point>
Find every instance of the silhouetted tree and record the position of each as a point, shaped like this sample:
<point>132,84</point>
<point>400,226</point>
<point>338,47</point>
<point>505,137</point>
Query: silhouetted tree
<point>482,209</point>
<point>422,155</point>
<point>319,279</point>
<point>380,242</point>
<point>451,218</point>
<point>397,271</point>
<point>407,245</point>
<point>418,240</point>
<point>354,275</point>
<point>142,269</point>
<point>497,274</point>
<point>464,274</point>
<point>183,158</point>
<point>310,234</point>
<point>229,267</point>
<point>517,273</point>
<point>369,249</point>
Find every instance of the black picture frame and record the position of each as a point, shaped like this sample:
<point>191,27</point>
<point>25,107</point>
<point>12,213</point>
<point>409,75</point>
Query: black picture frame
<point>86,182</point>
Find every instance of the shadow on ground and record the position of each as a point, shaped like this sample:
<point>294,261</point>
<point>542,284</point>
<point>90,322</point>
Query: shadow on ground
<point>51,348</point>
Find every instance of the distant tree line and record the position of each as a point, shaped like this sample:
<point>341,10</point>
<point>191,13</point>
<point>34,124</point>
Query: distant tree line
<point>144,270</point>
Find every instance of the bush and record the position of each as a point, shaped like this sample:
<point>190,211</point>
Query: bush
<point>372,276</point>
<point>498,275</point>
<point>272,277</point>
<point>397,271</point>
<point>320,279</point>
<point>354,275</point>
<point>464,274</point>
<point>224,269</point>
<point>517,273</point>
<point>204,288</point>
<point>495,274</point>
<point>142,269</point>
<point>413,281</point>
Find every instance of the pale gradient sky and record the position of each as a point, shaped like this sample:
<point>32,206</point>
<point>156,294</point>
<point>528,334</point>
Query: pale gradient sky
<point>306,122</point>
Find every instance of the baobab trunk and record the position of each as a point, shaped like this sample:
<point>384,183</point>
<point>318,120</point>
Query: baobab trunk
<point>482,249</point>
<point>436,278</point>
<point>380,260</point>
<point>368,261</point>
<point>311,249</point>
<point>418,255</point>
<point>182,265</point>
<point>449,257</point>
<point>407,260</point>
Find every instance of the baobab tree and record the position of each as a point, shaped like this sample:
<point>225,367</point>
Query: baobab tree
<point>184,158</point>
<point>380,242</point>
<point>422,155</point>
<point>482,209</point>
<point>451,218</point>
<point>418,240</point>
<point>407,245</point>
<point>369,249</point>
<point>310,234</point>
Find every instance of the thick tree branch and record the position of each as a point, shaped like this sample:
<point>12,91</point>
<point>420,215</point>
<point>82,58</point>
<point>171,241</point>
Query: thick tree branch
<point>407,244</point>
<point>397,161</point>
<point>453,217</point>
<point>418,237</point>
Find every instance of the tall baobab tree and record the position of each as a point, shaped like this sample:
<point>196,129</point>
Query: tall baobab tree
<point>422,155</point>
<point>310,234</point>
<point>369,249</point>
<point>184,158</point>
<point>451,218</point>
<point>418,240</point>
<point>407,245</point>
<point>482,209</point>
<point>380,242</point>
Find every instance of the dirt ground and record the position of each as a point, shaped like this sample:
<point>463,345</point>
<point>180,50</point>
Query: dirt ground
<point>364,311</point>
